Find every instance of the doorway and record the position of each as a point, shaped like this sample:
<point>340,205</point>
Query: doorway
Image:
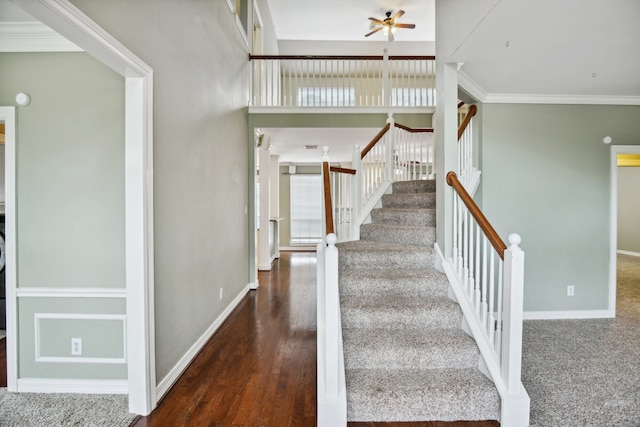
<point>624,166</point>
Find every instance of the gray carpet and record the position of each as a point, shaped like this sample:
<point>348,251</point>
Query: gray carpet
<point>406,356</point>
<point>62,410</point>
<point>587,372</point>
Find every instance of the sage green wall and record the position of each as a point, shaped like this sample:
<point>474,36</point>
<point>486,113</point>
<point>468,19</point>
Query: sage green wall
<point>285,199</point>
<point>629,208</point>
<point>200,156</point>
<point>545,176</point>
<point>70,201</point>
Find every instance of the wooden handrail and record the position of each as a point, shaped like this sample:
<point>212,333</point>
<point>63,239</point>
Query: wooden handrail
<point>375,140</point>
<point>342,170</point>
<point>340,57</point>
<point>328,208</point>
<point>465,122</point>
<point>460,104</point>
<point>414,130</point>
<point>483,222</point>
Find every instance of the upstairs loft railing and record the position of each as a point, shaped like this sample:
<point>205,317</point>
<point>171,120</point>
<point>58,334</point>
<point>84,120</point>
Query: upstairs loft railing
<point>396,153</point>
<point>342,81</point>
<point>487,279</point>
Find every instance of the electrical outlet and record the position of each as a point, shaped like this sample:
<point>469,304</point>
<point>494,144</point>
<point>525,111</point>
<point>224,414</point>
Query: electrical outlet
<point>76,346</point>
<point>570,290</point>
<point>221,292</point>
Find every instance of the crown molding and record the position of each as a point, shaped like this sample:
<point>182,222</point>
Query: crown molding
<point>478,92</point>
<point>32,37</point>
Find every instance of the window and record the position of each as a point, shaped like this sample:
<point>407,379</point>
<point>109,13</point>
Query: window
<point>326,96</point>
<point>306,209</point>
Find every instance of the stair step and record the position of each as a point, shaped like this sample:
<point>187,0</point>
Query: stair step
<point>409,200</point>
<point>407,312</point>
<point>367,254</point>
<point>425,217</point>
<point>420,395</point>
<point>417,283</point>
<point>421,186</point>
<point>392,233</point>
<point>409,349</point>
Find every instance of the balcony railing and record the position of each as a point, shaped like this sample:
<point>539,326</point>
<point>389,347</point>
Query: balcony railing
<point>343,81</point>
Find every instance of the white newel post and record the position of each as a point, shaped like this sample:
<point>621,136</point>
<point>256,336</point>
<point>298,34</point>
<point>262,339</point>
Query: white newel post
<point>512,317</point>
<point>356,193</point>
<point>332,372</point>
<point>391,147</point>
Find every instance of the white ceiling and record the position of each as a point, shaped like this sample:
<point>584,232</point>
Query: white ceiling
<point>340,20</point>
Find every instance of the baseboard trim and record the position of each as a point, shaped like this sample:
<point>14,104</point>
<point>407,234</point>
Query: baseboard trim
<point>56,385</point>
<point>297,248</point>
<point>571,314</point>
<point>629,253</point>
<point>167,382</point>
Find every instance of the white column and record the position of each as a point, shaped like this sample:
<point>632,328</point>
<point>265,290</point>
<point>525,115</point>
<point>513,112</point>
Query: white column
<point>264,256</point>
<point>446,137</point>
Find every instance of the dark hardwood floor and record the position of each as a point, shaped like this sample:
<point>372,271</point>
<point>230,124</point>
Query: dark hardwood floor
<point>3,362</point>
<point>259,369</point>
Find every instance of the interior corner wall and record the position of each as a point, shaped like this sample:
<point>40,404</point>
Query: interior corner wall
<point>268,30</point>
<point>70,158</point>
<point>201,160</point>
<point>545,176</point>
<point>629,208</point>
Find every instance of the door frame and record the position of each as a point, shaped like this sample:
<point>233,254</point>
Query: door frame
<point>67,20</point>
<point>613,232</point>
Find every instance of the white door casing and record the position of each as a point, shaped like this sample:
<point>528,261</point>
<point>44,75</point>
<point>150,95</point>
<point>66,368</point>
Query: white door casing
<point>70,22</point>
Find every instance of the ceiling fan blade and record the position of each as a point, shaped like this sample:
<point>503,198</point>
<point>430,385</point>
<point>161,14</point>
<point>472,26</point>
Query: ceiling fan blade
<point>397,15</point>
<point>412,26</point>
<point>391,38</point>
<point>377,21</point>
<point>373,32</point>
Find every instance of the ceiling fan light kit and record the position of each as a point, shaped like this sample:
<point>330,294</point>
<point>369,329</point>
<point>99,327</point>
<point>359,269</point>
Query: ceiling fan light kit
<point>388,25</point>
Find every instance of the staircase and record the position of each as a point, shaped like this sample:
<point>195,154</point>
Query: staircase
<point>406,356</point>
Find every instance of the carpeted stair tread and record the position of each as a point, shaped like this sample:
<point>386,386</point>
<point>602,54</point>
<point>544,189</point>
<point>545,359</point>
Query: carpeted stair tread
<point>404,216</point>
<point>397,233</point>
<point>415,282</point>
<point>367,254</point>
<point>420,395</point>
<point>409,200</point>
<point>420,186</point>
<point>392,312</point>
<point>409,348</point>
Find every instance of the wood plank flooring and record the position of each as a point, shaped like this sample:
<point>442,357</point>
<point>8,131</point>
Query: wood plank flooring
<point>3,362</point>
<point>259,369</point>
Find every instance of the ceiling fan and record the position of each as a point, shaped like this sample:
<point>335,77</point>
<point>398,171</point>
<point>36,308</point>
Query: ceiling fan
<point>389,24</point>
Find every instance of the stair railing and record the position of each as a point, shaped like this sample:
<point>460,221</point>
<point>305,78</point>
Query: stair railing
<point>487,280</point>
<point>469,174</point>
<point>331,386</point>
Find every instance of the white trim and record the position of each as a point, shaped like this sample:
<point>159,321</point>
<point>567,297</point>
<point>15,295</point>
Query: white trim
<point>38,317</point>
<point>298,248</point>
<point>471,87</point>
<point>613,220</point>
<point>67,20</point>
<point>341,110</point>
<point>571,314</point>
<point>253,285</point>
<point>497,98</point>
<point>41,292</point>
<point>32,37</point>
<point>54,385</point>
<point>476,91</point>
<point>167,382</point>
<point>8,114</point>
<point>628,253</point>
